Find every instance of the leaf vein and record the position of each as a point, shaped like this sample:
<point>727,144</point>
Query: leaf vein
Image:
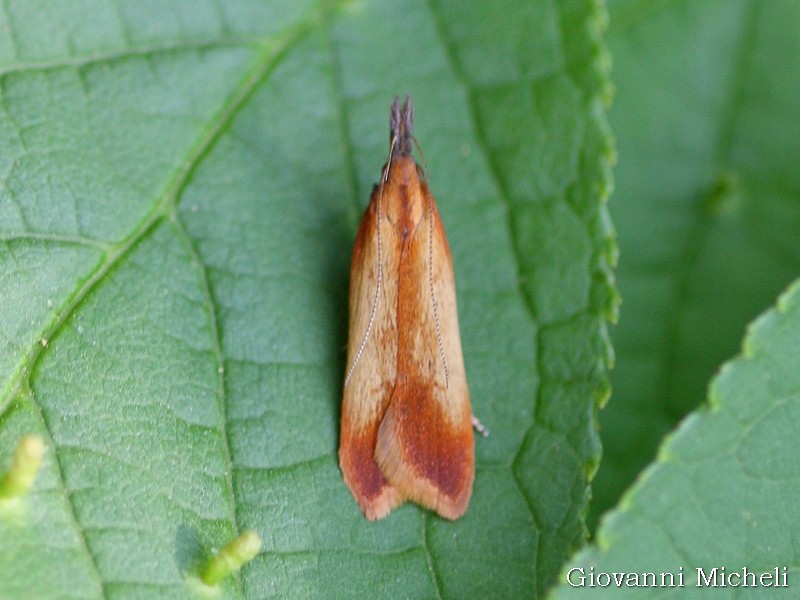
<point>80,62</point>
<point>435,575</point>
<point>222,398</point>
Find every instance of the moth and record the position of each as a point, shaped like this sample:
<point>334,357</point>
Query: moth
<point>406,430</point>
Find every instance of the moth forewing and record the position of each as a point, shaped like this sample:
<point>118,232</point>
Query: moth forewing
<point>406,417</point>
<point>371,360</point>
<point>444,293</point>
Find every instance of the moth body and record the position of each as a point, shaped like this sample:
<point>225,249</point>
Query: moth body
<point>406,431</point>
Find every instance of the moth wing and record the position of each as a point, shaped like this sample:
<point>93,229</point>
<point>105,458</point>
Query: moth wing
<point>371,364</point>
<point>425,445</point>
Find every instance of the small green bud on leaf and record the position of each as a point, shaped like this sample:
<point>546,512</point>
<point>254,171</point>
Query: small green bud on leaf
<point>24,466</point>
<point>232,557</point>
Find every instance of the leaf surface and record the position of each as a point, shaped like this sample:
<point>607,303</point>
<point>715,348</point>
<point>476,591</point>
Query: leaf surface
<point>706,203</point>
<point>723,491</point>
<point>181,185</point>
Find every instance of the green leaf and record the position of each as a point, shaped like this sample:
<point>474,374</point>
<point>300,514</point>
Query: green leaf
<point>706,202</point>
<point>181,185</point>
<point>723,492</point>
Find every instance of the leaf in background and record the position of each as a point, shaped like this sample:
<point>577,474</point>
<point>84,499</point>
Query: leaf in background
<point>723,492</point>
<point>706,202</point>
<point>181,185</point>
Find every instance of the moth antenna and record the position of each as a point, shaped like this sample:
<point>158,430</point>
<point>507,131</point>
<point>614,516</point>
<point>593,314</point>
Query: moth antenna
<point>422,158</point>
<point>379,277</point>
<point>406,121</point>
<point>433,295</point>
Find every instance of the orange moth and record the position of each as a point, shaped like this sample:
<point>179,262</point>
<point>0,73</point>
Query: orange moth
<point>406,418</point>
